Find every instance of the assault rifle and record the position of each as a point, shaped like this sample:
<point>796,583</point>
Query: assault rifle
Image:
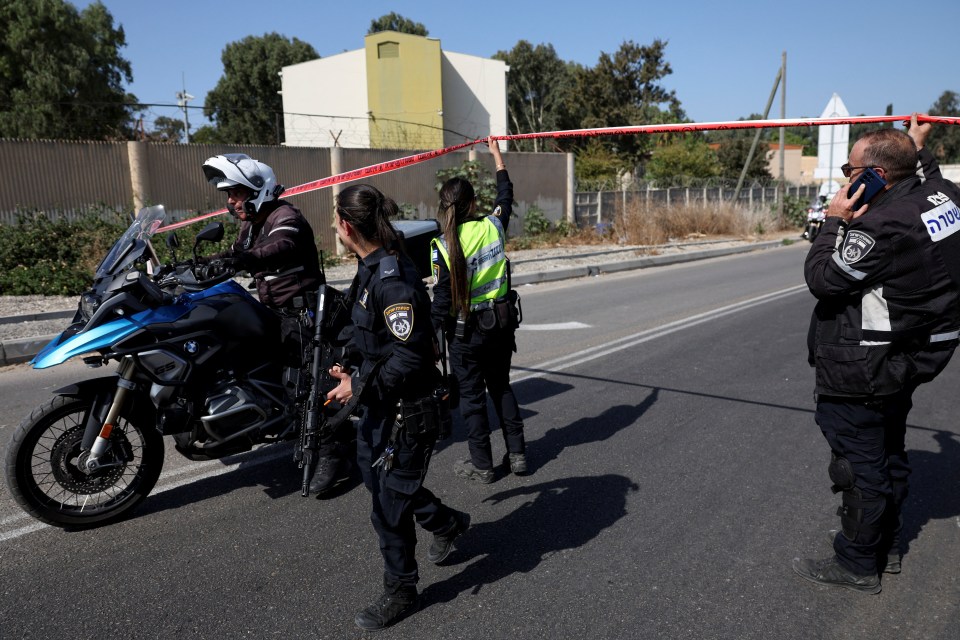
<point>313,418</point>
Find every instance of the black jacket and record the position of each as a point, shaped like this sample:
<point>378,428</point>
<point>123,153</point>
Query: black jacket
<point>888,308</point>
<point>280,253</point>
<point>391,330</point>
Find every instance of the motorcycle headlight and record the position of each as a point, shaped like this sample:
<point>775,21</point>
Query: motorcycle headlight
<point>89,303</point>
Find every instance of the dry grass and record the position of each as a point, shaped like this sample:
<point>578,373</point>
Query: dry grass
<point>656,225</point>
<point>638,225</point>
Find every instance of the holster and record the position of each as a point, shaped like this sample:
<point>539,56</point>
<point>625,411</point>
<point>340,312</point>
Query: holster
<point>427,416</point>
<point>502,314</point>
<point>508,311</point>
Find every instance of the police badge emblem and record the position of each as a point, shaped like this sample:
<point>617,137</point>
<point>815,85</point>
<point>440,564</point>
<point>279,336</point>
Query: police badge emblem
<point>399,318</point>
<point>856,245</point>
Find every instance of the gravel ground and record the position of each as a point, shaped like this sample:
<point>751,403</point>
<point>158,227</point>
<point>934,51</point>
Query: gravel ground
<point>544,259</point>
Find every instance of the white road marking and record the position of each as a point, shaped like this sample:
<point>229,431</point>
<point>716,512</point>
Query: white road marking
<point>586,355</point>
<point>555,326</point>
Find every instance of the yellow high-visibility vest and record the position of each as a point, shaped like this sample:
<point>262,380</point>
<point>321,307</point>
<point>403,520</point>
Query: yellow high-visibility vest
<point>483,247</point>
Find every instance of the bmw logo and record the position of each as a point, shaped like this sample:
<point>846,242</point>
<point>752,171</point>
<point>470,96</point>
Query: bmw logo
<point>191,347</point>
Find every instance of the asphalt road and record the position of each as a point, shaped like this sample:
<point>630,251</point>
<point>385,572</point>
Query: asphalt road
<point>676,471</point>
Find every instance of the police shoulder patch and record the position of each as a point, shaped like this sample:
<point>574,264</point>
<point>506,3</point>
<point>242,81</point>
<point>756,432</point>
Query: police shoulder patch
<point>389,267</point>
<point>399,319</point>
<point>856,245</point>
<point>497,211</point>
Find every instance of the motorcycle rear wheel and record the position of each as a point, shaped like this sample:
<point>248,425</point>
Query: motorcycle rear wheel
<point>44,473</point>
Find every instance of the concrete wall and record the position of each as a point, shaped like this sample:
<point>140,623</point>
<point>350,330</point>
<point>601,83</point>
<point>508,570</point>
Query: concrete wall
<point>474,97</point>
<point>325,102</point>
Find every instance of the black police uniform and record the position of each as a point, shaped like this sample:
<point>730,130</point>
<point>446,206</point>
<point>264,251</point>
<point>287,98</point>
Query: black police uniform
<point>886,321</point>
<point>392,337</point>
<point>480,359</point>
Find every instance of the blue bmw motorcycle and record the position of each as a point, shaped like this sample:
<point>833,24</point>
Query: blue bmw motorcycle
<point>196,358</point>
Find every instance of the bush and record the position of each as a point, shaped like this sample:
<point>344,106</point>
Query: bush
<point>49,256</point>
<point>794,211</point>
<point>45,254</point>
<point>565,229</point>
<point>535,223</point>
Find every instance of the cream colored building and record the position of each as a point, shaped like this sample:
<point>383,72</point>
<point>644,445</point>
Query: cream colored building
<point>400,91</point>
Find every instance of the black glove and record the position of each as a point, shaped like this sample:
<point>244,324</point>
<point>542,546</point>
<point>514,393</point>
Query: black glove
<point>213,269</point>
<point>241,261</point>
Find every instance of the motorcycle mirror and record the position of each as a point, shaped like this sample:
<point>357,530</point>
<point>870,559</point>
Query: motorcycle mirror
<point>213,232</point>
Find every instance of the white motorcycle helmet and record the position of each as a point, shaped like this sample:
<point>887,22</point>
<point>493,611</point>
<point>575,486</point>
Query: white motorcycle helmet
<point>232,169</point>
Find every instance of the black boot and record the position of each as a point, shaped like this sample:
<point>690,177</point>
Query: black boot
<point>329,468</point>
<point>395,604</point>
<point>889,563</point>
<point>830,572</point>
<point>443,542</point>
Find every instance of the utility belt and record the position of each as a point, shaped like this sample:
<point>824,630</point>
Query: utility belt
<point>502,313</point>
<point>427,416</point>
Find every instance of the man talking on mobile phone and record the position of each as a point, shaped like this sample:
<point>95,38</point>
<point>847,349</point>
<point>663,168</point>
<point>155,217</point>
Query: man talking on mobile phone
<point>886,275</point>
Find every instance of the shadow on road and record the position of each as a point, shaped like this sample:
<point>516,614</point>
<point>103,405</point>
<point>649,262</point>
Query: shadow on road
<point>278,477</point>
<point>933,483</point>
<point>543,525</point>
<point>586,430</point>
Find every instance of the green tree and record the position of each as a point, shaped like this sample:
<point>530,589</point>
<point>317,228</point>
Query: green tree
<point>61,72</point>
<point>625,89</point>
<point>539,92</point>
<point>597,167</point>
<point>396,22</point>
<point>732,154</point>
<point>944,141</point>
<point>806,136</point>
<point>245,105</point>
<point>733,147</point>
<point>166,129</point>
<point>683,161</point>
<point>207,134</point>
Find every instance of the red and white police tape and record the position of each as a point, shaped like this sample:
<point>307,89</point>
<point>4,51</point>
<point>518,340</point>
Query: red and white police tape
<point>400,163</point>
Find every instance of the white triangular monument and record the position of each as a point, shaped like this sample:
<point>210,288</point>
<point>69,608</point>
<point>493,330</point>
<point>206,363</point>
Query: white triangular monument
<point>832,150</point>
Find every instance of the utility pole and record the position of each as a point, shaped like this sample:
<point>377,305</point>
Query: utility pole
<point>182,99</point>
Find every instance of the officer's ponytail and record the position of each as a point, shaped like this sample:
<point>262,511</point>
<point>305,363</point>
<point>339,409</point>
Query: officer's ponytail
<point>456,205</point>
<point>369,212</point>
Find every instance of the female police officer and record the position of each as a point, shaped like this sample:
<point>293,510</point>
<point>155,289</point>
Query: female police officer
<point>395,379</point>
<point>471,295</point>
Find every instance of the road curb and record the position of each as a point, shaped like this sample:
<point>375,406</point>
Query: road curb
<point>24,349</point>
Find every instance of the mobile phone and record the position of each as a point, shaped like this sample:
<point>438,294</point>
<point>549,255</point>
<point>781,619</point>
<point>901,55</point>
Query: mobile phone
<point>874,185</point>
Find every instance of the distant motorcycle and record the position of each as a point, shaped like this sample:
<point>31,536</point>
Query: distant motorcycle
<point>816,214</point>
<point>196,359</point>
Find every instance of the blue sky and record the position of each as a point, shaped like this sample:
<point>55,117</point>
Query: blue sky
<point>724,56</point>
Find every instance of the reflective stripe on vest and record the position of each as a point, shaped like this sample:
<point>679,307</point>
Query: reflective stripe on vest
<point>482,243</point>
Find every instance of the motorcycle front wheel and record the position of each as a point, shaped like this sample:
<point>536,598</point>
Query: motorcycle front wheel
<point>45,473</point>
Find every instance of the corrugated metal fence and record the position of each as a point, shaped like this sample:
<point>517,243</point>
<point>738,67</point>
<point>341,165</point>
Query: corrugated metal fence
<point>65,178</point>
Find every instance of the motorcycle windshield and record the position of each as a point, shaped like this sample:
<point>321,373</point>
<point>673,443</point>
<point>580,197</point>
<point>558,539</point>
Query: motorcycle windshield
<point>132,243</point>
